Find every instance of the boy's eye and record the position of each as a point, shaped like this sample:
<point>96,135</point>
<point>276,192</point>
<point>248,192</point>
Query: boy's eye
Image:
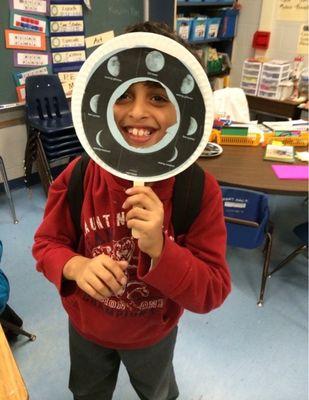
<point>123,98</point>
<point>159,98</point>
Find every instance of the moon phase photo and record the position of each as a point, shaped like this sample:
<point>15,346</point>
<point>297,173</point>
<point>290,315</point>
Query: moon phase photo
<point>113,66</point>
<point>155,61</point>
<point>187,84</point>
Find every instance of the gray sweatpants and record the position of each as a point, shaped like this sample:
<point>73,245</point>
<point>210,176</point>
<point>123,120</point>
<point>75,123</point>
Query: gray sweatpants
<point>94,369</point>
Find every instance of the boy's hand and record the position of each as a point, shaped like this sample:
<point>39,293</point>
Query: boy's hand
<point>146,216</point>
<point>99,277</point>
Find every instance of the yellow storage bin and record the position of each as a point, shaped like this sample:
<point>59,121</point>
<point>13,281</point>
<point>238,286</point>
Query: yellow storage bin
<point>233,140</point>
<point>301,140</point>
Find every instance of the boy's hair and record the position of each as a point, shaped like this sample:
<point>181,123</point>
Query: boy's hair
<point>163,29</point>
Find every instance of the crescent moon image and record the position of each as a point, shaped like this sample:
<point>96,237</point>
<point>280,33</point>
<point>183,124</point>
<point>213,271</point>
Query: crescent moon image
<point>192,127</point>
<point>97,138</point>
<point>175,155</point>
<point>94,103</point>
<point>113,66</point>
<point>187,84</point>
<point>155,61</point>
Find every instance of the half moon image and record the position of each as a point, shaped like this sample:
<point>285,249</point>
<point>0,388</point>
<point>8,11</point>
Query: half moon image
<point>192,127</point>
<point>113,66</point>
<point>187,84</point>
<point>155,61</point>
<point>94,103</point>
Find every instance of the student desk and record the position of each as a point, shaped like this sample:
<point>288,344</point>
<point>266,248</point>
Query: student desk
<point>243,166</point>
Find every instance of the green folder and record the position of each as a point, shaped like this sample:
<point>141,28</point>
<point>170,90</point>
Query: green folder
<point>234,131</point>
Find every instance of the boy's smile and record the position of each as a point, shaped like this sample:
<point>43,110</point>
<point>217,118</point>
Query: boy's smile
<point>143,113</point>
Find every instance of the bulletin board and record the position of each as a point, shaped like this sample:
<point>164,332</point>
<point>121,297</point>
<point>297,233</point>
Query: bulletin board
<point>106,15</point>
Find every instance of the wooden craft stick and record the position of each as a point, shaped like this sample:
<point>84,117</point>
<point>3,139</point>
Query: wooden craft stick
<point>135,232</point>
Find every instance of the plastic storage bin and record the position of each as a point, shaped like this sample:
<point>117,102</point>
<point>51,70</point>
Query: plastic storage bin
<point>273,74</point>
<point>212,27</point>
<point>250,77</point>
<point>183,27</point>
<point>228,22</point>
<point>198,29</point>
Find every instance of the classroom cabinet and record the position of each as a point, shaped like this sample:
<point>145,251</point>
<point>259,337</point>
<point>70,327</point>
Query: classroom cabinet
<point>209,24</point>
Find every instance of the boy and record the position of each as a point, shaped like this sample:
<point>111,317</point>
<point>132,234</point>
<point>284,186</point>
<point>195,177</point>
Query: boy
<point>124,297</point>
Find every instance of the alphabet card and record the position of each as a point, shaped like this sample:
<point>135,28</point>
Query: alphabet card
<point>24,40</point>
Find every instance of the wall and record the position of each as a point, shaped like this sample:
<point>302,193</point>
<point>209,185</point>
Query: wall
<point>13,137</point>
<point>248,23</point>
<point>262,15</point>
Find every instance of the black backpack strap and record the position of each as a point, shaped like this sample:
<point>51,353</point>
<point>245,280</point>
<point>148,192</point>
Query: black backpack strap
<point>187,198</point>
<point>76,192</point>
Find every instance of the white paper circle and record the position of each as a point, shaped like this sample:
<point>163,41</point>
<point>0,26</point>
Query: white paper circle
<point>136,57</point>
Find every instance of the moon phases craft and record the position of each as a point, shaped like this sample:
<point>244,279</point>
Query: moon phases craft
<point>109,71</point>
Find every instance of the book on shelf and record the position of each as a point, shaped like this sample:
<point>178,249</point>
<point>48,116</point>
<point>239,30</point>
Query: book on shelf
<point>281,153</point>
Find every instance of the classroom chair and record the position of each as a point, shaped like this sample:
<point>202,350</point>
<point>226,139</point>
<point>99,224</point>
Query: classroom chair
<point>7,189</point>
<point>246,214</point>
<point>301,231</point>
<point>51,135</point>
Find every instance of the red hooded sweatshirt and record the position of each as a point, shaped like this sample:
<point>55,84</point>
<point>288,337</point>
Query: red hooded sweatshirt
<point>191,274</point>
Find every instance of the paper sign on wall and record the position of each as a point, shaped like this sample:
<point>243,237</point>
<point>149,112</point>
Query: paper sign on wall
<point>303,40</point>
<point>30,59</point>
<point>65,57</point>
<point>21,93</point>
<point>66,10</point>
<point>97,40</point>
<point>58,26</point>
<point>63,42</point>
<point>20,77</point>
<point>24,40</point>
<point>30,6</point>
<point>25,22</point>
<point>292,10</point>
<point>67,80</point>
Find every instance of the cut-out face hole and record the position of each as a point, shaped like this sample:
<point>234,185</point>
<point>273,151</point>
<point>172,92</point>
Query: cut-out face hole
<point>143,113</point>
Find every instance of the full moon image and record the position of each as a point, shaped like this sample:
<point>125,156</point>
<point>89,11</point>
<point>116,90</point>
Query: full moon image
<point>155,61</point>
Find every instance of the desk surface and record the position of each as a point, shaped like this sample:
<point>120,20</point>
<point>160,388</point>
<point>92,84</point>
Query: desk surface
<point>243,166</point>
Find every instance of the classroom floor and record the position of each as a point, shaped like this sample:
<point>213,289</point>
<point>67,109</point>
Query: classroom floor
<point>238,352</point>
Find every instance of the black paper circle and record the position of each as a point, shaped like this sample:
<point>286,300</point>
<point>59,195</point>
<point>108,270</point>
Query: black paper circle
<point>108,72</point>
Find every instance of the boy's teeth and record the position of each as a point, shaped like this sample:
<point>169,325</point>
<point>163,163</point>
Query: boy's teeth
<point>139,132</point>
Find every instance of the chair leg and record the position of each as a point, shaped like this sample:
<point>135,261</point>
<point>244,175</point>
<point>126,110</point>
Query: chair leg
<point>7,190</point>
<point>268,247</point>
<point>43,167</point>
<point>290,257</point>
<point>30,156</point>
<point>16,329</point>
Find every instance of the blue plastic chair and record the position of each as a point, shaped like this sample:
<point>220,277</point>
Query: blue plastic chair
<point>248,226</point>
<point>301,231</point>
<point>51,135</point>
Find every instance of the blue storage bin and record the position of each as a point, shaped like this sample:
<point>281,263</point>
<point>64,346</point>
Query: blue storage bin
<point>228,22</point>
<point>212,27</point>
<point>183,27</point>
<point>198,29</point>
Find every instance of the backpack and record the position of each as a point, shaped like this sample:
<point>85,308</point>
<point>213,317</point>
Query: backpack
<point>187,196</point>
<point>4,286</point>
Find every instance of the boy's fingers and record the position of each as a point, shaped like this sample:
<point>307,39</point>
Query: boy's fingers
<point>138,200</point>
<point>105,286</point>
<point>93,293</point>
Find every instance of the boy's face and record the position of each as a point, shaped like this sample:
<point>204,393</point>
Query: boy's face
<point>143,113</point>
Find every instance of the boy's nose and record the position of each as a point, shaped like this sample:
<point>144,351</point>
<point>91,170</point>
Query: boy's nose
<point>138,109</point>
